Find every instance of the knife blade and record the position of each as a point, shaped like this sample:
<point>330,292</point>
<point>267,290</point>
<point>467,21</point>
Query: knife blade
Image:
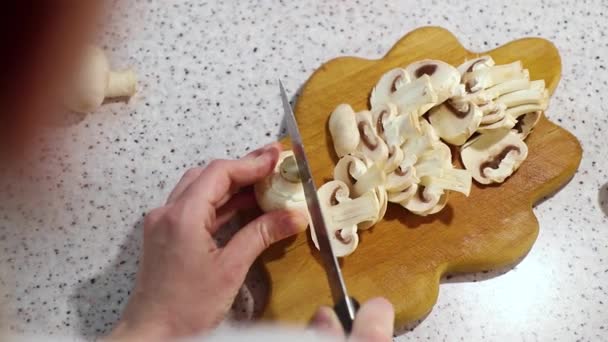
<point>344,305</point>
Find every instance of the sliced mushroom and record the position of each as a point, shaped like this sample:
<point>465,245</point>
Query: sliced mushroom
<point>397,129</point>
<point>492,112</point>
<point>401,179</point>
<point>381,115</point>
<point>423,202</point>
<point>445,79</point>
<point>404,195</point>
<point>371,145</point>
<point>494,156</point>
<point>282,189</point>
<point>381,196</point>
<point>455,125</point>
<point>387,85</point>
<point>475,64</point>
<point>342,214</point>
<point>487,77</point>
<point>417,96</point>
<point>525,124</point>
<point>343,129</point>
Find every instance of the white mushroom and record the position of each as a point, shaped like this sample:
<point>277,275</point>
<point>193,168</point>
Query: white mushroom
<point>425,202</point>
<point>387,85</point>
<point>398,129</point>
<point>404,195</point>
<point>282,189</point>
<point>371,145</point>
<point>95,81</point>
<point>343,130</point>
<point>342,214</point>
<point>494,156</point>
<point>417,96</point>
<point>525,124</point>
<point>475,64</point>
<point>358,177</point>
<point>455,125</point>
<point>483,78</point>
<point>385,117</point>
<point>445,79</point>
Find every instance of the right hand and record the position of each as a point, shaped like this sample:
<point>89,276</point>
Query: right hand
<point>373,322</point>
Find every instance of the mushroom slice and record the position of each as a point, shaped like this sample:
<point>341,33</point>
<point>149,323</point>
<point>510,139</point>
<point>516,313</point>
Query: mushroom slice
<point>404,195</point>
<point>526,96</point>
<point>475,64</point>
<point>424,201</point>
<point>343,130</point>
<point>525,124</point>
<point>455,125</point>
<point>342,214</point>
<point>492,112</point>
<point>387,85</point>
<point>507,122</point>
<point>401,179</point>
<point>445,79</point>
<point>282,188</point>
<point>382,198</point>
<point>450,179</point>
<point>397,129</point>
<point>494,156</point>
<point>371,145</point>
<point>417,96</point>
<point>507,87</point>
<point>395,157</point>
<point>358,177</point>
<point>487,77</point>
<point>381,115</point>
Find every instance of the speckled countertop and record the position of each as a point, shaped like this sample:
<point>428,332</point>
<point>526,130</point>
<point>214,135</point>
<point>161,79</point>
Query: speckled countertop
<point>207,69</point>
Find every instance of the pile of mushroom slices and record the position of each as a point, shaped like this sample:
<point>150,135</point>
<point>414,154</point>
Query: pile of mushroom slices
<point>398,150</point>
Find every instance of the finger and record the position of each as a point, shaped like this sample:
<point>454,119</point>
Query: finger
<point>326,321</point>
<point>374,321</point>
<point>249,242</point>
<point>192,174</point>
<point>187,179</point>
<point>240,201</point>
<point>221,178</point>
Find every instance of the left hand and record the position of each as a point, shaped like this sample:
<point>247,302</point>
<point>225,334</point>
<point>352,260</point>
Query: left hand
<point>186,284</point>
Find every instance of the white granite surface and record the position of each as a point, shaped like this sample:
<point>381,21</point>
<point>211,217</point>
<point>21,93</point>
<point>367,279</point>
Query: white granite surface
<point>69,238</point>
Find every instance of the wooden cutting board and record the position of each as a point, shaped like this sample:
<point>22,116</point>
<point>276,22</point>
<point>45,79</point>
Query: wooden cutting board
<point>404,256</point>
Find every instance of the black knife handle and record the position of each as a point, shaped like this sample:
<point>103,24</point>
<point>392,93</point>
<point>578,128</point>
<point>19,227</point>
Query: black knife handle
<point>342,311</point>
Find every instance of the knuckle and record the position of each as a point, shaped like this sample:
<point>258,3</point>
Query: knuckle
<point>217,164</point>
<point>153,217</point>
<point>173,216</point>
<point>263,233</point>
<point>191,173</point>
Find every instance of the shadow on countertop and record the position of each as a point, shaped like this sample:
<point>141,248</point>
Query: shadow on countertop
<point>99,301</point>
<point>602,198</point>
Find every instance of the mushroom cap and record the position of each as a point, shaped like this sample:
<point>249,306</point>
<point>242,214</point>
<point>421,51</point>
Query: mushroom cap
<point>343,129</point>
<point>525,124</point>
<point>424,201</point>
<point>454,125</point>
<point>404,195</point>
<point>342,215</point>
<point>275,192</point>
<point>348,169</point>
<point>445,79</point>
<point>475,64</point>
<point>494,156</point>
<point>381,115</point>
<point>387,85</point>
<point>91,79</point>
<point>371,145</point>
<point>401,179</point>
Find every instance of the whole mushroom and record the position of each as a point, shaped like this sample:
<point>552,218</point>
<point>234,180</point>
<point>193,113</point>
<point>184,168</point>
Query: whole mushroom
<point>95,82</point>
<point>282,189</point>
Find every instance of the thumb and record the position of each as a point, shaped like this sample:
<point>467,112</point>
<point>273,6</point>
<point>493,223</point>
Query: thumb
<point>246,245</point>
<point>374,321</point>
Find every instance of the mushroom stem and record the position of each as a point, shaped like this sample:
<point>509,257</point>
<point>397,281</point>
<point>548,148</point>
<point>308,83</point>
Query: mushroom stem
<point>121,84</point>
<point>526,96</point>
<point>372,178</point>
<point>289,169</point>
<point>350,213</point>
<point>487,77</point>
<point>414,96</point>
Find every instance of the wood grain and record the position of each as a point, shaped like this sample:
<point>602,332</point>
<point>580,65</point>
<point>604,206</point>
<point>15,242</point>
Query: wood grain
<point>404,256</point>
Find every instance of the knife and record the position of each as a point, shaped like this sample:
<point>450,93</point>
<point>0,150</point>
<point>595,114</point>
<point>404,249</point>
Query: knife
<point>344,306</point>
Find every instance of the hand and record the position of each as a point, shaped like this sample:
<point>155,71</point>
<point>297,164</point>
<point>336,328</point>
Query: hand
<point>186,284</point>
<point>373,322</point>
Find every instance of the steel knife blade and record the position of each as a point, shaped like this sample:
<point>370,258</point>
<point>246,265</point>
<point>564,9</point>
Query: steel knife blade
<point>344,305</point>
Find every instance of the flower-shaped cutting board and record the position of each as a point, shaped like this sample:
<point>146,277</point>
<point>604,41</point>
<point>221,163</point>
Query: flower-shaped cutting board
<point>404,256</point>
